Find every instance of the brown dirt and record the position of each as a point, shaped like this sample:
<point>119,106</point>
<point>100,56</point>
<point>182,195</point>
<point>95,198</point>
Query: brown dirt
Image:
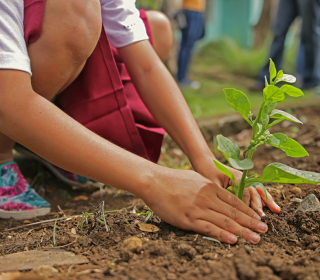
<point>289,250</point>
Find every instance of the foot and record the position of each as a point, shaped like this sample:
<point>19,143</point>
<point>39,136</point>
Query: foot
<point>189,83</point>
<point>17,199</point>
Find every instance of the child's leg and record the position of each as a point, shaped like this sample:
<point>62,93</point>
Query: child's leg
<point>161,33</point>
<point>6,146</point>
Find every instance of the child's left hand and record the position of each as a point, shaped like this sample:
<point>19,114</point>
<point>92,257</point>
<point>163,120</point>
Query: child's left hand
<point>255,197</point>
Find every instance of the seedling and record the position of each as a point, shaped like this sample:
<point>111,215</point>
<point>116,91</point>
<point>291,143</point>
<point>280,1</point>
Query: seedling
<point>54,231</point>
<point>267,117</point>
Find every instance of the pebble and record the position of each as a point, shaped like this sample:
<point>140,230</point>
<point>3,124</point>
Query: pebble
<point>248,249</point>
<point>209,256</point>
<point>310,204</point>
<point>45,270</point>
<point>296,190</point>
<point>132,244</point>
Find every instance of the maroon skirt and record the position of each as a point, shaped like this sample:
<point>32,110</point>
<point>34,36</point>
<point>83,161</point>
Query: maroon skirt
<point>103,97</point>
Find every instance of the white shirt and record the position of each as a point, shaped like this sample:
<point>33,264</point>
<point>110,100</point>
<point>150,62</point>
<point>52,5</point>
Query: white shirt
<point>121,20</point>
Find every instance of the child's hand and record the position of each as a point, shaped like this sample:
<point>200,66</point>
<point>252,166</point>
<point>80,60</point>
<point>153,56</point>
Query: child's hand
<point>251,196</point>
<point>188,200</point>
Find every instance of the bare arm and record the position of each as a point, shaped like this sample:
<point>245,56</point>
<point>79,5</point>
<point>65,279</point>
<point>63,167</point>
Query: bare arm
<point>165,101</point>
<point>182,198</point>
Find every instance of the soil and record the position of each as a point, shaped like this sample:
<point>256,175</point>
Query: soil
<point>289,250</point>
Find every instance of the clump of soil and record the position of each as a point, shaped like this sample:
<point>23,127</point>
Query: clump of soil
<point>289,250</point>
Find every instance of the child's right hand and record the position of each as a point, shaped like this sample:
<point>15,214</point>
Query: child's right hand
<point>189,201</point>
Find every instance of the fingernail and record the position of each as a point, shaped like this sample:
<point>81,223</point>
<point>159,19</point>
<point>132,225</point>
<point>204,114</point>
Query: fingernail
<point>256,216</point>
<point>232,239</point>
<point>263,214</point>
<point>262,227</point>
<point>277,206</point>
<point>254,238</point>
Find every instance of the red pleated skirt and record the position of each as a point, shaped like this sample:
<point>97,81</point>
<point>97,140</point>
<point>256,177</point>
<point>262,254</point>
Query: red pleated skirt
<point>103,97</point>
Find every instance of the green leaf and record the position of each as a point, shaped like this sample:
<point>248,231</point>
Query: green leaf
<point>279,114</point>
<point>272,70</point>
<point>232,153</point>
<point>279,75</point>
<point>224,170</point>
<point>257,185</point>
<point>238,101</point>
<point>287,78</point>
<point>231,189</point>
<point>241,164</point>
<point>273,93</point>
<point>265,115</point>
<point>291,147</point>
<point>273,141</point>
<point>292,91</point>
<point>271,105</point>
<point>281,173</point>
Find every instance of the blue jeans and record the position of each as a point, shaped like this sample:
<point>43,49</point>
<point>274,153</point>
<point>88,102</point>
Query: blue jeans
<point>192,33</point>
<point>287,11</point>
<point>310,37</point>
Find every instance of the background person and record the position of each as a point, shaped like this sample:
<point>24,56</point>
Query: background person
<point>193,31</point>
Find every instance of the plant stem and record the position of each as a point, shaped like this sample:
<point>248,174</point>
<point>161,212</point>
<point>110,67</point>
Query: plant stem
<point>255,124</point>
<point>244,176</point>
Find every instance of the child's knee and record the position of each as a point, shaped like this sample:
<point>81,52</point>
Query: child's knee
<point>161,33</point>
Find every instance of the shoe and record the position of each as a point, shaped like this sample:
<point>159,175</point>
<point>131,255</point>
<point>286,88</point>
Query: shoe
<point>190,84</point>
<point>77,182</point>
<point>17,199</point>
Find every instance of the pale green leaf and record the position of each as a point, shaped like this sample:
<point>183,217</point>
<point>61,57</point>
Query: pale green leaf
<point>273,141</point>
<point>283,174</point>
<point>279,75</point>
<point>273,93</point>
<point>287,78</point>
<point>279,114</point>
<point>238,101</point>
<point>224,170</point>
<point>292,91</point>
<point>232,153</point>
<point>272,70</point>
<point>291,147</point>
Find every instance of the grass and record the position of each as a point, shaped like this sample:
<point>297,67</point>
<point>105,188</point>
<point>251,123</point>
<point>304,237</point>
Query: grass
<point>225,65</point>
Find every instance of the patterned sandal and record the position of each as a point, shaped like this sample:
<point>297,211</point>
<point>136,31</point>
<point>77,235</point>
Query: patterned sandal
<point>17,199</point>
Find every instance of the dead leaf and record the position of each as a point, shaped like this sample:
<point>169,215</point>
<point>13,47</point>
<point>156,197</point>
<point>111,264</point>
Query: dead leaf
<point>80,197</point>
<point>148,227</point>
<point>73,231</point>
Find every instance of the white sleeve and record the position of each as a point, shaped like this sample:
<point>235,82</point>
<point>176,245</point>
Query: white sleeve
<point>122,22</point>
<point>13,49</point>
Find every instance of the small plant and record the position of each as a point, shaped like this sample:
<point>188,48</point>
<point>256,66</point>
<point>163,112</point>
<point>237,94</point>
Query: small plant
<point>274,172</point>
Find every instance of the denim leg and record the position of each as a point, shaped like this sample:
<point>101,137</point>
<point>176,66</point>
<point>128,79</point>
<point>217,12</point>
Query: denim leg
<point>192,33</point>
<point>310,12</point>
<point>287,11</point>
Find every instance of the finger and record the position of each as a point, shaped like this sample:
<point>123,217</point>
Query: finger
<point>238,217</point>
<point>263,204</point>
<point>211,230</point>
<point>274,207</point>
<point>246,197</point>
<point>237,203</point>
<point>229,225</point>
<point>256,201</point>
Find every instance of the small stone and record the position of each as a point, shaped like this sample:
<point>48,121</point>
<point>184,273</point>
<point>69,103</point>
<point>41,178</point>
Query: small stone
<point>296,190</point>
<point>45,270</point>
<point>132,244</point>
<point>309,239</point>
<point>248,249</point>
<point>310,204</point>
<point>187,250</point>
<point>276,264</point>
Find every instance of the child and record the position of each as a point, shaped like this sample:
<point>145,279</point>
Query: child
<point>61,58</point>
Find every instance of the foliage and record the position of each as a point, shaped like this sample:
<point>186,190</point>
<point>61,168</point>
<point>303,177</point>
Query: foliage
<point>150,4</point>
<point>267,117</point>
